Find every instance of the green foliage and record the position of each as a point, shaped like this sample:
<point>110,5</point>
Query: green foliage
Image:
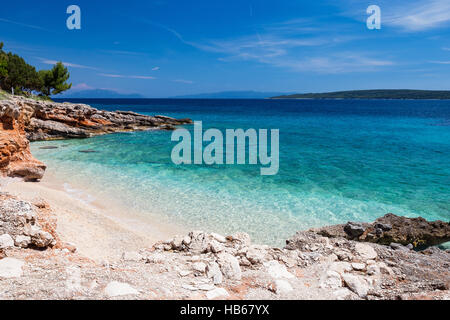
<point>20,75</point>
<point>54,81</point>
<point>16,74</point>
<point>3,63</point>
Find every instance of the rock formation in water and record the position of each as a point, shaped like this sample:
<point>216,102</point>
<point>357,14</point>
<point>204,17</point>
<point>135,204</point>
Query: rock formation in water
<point>23,120</point>
<point>392,229</point>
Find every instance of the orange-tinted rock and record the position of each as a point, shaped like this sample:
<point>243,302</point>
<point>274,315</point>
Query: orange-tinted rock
<point>15,156</point>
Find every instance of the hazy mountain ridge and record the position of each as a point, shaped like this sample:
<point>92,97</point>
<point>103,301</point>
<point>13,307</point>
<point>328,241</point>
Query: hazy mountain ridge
<point>99,94</point>
<point>231,95</point>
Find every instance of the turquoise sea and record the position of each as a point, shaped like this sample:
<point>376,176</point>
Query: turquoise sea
<point>340,160</point>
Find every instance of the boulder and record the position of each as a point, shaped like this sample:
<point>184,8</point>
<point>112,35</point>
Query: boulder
<point>357,284</point>
<point>365,251</point>
<point>6,241</point>
<point>213,272</point>
<point>354,230</point>
<point>229,266</point>
<point>22,241</point>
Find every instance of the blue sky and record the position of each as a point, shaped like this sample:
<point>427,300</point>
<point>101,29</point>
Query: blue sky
<point>164,48</point>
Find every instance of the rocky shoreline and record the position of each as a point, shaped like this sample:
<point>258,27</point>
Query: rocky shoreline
<point>24,120</point>
<point>391,258</point>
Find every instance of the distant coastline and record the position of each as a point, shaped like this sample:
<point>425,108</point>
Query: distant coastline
<point>389,94</point>
<point>382,94</point>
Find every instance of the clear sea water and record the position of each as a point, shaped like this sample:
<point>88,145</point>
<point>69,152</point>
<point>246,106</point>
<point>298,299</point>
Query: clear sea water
<point>340,160</point>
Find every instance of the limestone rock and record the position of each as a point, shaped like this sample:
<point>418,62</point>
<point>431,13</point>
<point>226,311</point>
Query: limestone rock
<point>11,268</point>
<point>229,266</point>
<point>199,267</point>
<point>6,241</point>
<point>256,254</point>
<point>116,289</point>
<point>358,266</point>
<point>277,270</point>
<point>22,241</point>
<point>41,238</point>
<point>282,287</point>
<point>332,280</point>
<point>217,293</point>
<point>365,251</point>
<point>357,284</point>
<point>213,272</point>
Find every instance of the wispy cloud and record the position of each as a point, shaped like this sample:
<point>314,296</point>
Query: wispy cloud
<point>155,68</point>
<point>281,44</point>
<point>109,75</point>
<point>417,16</point>
<point>24,25</point>
<point>67,64</point>
<point>125,53</point>
<point>183,81</point>
<point>81,86</point>
<point>440,62</point>
<point>344,62</point>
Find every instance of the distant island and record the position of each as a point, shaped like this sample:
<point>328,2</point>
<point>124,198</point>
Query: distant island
<point>232,95</point>
<point>99,94</point>
<point>372,94</point>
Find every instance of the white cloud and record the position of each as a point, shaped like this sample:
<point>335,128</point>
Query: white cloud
<point>82,86</point>
<point>417,16</point>
<point>156,68</point>
<point>67,64</point>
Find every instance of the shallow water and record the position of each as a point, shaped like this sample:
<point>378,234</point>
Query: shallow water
<point>340,160</point>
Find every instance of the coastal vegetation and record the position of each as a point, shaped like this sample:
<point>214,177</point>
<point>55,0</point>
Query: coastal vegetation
<point>373,94</point>
<point>17,76</point>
